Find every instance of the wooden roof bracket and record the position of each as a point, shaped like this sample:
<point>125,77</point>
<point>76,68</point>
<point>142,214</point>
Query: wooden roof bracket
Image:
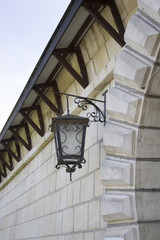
<point>8,165</point>
<point>60,54</point>
<point>39,89</point>
<point>4,172</point>
<point>117,36</point>
<point>17,155</point>
<point>5,165</point>
<point>14,129</point>
<point>25,113</point>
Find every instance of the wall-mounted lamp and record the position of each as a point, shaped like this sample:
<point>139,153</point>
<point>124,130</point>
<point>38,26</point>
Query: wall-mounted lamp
<point>70,132</point>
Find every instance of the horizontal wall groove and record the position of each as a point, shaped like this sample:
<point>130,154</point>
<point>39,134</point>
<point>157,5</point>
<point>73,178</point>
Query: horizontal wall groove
<point>119,190</point>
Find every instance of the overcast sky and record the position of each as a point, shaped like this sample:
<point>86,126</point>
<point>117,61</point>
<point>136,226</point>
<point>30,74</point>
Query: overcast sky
<point>25,29</point>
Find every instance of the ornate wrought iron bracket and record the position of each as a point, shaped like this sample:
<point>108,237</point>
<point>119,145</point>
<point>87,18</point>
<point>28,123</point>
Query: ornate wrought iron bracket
<point>97,115</point>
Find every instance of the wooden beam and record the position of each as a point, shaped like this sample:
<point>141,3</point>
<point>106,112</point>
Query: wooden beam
<point>44,85</point>
<point>39,89</point>
<point>83,82</point>
<point>117,17</point>
<point>103,22</point>
<point>10,151</point>
<point>77,51</point>
<point>82,64</point>
<point>8,165</point>
<point>25,113</point>
<point>28,144</point>
<point>57,97</point>
<point>46,99</point>
<point>4,172</point>
<point>96,2</point>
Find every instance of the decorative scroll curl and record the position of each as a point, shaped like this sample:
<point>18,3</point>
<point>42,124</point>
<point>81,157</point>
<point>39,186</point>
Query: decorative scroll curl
<point>71,168</point>
<point>96,116</point>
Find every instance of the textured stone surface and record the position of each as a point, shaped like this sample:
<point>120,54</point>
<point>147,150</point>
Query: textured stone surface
<point>151,114</point>
<point>152,9</point>
<point>67,221</point>
<point>148,176</point>
<point>116,173</point>
<point>150,231</point>
<point>87,188</point>
<point>131,69</point>
<point>94,215</point>
<point>142,36</point>
<point>122,104</point>
<point>148,205</point>
<point>118,139</point>
<point>101,59</point>
<point>40,202</point>
<point>121,233</point>
<point>116,207</point>
<point>148,143</point>
<point>154,87</point>
<point>81,218</point>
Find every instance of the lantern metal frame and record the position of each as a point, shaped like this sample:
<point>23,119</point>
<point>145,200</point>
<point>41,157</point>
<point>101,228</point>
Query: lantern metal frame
<point>77,124</point>
<point>62,125</point>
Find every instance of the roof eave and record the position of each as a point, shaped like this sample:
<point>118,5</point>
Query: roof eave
<point>57,35</point>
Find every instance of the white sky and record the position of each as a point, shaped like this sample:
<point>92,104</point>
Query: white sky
<point>25,29</point>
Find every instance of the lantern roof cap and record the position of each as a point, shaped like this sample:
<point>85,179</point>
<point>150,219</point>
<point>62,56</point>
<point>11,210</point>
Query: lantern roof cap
<point>70,117</point>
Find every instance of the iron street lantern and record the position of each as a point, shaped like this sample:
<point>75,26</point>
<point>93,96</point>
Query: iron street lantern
<point>70,132</point>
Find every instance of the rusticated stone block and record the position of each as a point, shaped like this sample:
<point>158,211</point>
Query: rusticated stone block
<point>121,234</point>
<point>151,7</point>
<point>149,231</point>
<point>148,143</point>
<point>123,105</point>
<point>148,176</point>
<point>116,173</point>
<point>154,84</point>
<point>148,205</point>
<point>119,140</point>
<point>131,69</point>
<point>150,105</point>
<point>116,207</point>
<point>81,217</point>
<point>68,220</point>
<point>141,35</point>
<point>100,59</point>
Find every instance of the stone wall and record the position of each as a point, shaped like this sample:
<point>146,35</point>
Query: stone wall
<point>110,197</point>
<point>130,171</point>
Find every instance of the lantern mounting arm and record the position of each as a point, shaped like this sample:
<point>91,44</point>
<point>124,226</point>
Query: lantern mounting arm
<point>97,115</point>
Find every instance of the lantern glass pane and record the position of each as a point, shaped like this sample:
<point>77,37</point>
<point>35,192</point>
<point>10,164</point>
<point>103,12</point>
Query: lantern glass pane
<point>71,136</point>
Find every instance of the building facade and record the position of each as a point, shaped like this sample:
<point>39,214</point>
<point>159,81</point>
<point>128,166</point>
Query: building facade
<point>98,46</point>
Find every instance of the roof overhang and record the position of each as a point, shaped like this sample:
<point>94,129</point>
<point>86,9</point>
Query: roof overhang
<point>73,26</point>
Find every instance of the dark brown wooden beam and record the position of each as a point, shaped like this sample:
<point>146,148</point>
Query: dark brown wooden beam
<point>57,97</point>
<point>74,42</point>
<point>82,65</point>
<point>96,2</point>
<point>117,17</point>
<point>4,172</point>
<point>103,22</point>
<point>8,165</point>
<point>71,70</point>
<point>28,144</point>
<point>44,85</point>
<point>25,113</point>
<point>40,93</point>
<point>17,156</point>
<point>39,89</point>
<point>80,60</point>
